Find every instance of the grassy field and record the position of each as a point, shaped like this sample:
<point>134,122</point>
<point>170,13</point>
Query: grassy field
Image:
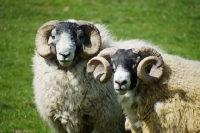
<point>174,25</point>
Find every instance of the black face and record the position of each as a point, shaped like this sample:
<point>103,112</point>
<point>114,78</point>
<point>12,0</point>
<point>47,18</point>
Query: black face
<point>74,30</point>
<point>126,59</point>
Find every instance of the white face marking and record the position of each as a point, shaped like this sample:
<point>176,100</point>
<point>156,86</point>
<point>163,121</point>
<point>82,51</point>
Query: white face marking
<point>65,46</point>
<point>122,80</point>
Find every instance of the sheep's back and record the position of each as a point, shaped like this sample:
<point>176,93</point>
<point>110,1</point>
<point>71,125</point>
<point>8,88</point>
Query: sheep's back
<point>182,74</point>
<point>174,102</point>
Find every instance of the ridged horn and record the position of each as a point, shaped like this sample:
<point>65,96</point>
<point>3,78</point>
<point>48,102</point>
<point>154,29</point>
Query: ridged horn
<point>100,66</point>
<point>150,69</point>
<point>41,40</point>
<point>92,44</point>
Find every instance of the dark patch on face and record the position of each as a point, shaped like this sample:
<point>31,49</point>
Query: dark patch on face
<point>129,61</point>
<point>75,32</point>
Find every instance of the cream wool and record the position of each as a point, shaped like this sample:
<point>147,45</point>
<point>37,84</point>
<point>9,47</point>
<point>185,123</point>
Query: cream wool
<point>73,98</point>
<point>170,106</point>
<point>73,101</point>
<point>166,96</point>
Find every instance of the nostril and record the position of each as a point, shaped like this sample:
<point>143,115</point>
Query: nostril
<point>65,55</point>
<point>123,82</point>
<point>117,82</point>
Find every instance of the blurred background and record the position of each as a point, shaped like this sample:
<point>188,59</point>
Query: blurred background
<point>174,25</point>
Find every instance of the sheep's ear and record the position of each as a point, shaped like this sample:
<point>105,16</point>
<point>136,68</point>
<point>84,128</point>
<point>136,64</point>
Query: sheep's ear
<point>101,69</point>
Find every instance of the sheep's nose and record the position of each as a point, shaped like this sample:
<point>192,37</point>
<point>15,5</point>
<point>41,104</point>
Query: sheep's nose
<point>120,83</point>
<point>65,55</point>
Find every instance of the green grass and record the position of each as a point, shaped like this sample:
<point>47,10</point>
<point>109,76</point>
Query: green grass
<point>174,25</point>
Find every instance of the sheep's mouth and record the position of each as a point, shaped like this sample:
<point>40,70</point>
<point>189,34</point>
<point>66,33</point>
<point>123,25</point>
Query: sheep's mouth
<point>65,62</point>
<point>120,91</point>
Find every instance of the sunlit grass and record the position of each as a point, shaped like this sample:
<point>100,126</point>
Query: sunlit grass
<point>174,25</point>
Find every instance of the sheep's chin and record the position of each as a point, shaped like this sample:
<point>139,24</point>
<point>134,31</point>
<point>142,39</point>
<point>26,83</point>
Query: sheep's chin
<point>121,92</point>
<point>65,64</point>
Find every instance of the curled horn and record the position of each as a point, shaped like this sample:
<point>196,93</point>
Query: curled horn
<point>92,42</point>
<point>150,69</point>
<point>100,66</point>
<point>41,40</point>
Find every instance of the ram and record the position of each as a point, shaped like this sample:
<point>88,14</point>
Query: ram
<point>69,99</point>
<point>159,92</point>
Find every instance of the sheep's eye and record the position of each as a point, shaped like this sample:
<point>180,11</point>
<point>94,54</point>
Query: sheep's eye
<point>81,37</point>
<point>53,37</point>
<point>113,68</point>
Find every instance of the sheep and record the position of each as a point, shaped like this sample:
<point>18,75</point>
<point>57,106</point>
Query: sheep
<point>66,97</point>
<point>159,92</point>
<point>53,69</point>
